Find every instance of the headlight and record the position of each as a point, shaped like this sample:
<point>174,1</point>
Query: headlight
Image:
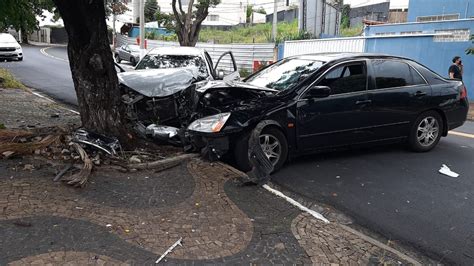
<point>210,124</point>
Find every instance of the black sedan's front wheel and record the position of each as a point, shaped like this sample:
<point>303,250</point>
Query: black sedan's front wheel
<point>273,143</point>
<point>426,131</point>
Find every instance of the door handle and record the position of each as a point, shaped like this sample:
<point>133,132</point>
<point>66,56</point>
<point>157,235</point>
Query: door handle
<point>420,93</point>
<point>363,102</point>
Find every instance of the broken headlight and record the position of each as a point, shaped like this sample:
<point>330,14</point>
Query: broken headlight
<point>210,124</point>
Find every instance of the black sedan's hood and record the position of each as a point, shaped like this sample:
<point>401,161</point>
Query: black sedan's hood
<point>158,82</point>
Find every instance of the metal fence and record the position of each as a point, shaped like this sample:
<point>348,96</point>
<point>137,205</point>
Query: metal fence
<point>356,44</point>
<point>245,54</point>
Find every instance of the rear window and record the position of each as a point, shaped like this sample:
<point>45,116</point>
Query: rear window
<point>429,75</point>
<point>393,74</point>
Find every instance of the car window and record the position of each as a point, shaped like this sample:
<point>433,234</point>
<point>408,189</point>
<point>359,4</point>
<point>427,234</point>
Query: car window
<point>428,74</point>
<point>345,79</point>
<point>174,61</point>
<point>285,73</point>
<point>134,48</point>
<point>7,38</point>
<point>393,74</point>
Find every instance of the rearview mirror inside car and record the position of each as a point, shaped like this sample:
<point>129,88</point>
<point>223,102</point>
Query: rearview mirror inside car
<point>318,92</point>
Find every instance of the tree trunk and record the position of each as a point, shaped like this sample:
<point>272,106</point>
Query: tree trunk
<point>92,67</point>
<point>24,36</point>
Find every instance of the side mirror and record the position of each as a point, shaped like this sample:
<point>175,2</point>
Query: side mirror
<point>318,92</point>
<point>220,74</point>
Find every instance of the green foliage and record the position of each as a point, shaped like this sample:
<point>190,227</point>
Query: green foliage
<point>470,50</point>
<point>345,20</point>
<point>261,10</point>
<point>260,33</point>
<point>249,13</point>
<point>165,20</point>
<point>351,32</point>
<point>244,72</point>
<point>151,8</point>
<point>21,14</point>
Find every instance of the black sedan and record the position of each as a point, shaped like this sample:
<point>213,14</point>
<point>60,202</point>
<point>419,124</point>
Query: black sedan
<point>311,103</point>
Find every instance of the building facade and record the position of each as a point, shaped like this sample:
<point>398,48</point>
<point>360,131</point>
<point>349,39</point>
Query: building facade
<point>435,10</point>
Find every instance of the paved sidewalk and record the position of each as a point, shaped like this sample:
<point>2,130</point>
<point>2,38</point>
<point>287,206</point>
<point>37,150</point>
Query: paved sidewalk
<point>132,218</point>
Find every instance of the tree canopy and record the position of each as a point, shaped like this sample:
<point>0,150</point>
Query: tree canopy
<point>21,14</point>
<point>151,8</point>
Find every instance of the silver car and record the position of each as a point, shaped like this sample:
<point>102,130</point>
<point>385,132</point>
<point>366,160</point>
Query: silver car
<point>9,48</point>
<point>128,52</point>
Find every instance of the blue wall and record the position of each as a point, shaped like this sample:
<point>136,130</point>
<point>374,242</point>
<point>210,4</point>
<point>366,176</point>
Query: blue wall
<point>435,55</point>
<point>417,8</point>
<point>135,31</point>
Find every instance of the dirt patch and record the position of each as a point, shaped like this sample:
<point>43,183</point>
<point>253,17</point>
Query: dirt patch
<point>470,115</point>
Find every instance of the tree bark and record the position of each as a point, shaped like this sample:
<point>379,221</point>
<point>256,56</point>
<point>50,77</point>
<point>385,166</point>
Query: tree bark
<point>187,27</point>
<point>93,69</point>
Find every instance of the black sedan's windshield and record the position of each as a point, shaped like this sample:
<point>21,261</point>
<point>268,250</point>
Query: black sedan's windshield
<point>174,61</point>
<point>284,74</point>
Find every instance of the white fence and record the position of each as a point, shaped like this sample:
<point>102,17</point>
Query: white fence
<point>356,45</point>
<point>245,54</point>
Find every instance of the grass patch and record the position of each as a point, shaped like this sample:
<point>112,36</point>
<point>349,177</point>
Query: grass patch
<point>352,32</point>
<point>8,81</point>
<point>260,33</point>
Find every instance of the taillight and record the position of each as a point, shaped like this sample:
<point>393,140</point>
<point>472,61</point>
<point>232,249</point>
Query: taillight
<point>463,92</point>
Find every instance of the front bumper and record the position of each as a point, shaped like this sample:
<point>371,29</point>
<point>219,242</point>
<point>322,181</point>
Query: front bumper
<point>11,55</point>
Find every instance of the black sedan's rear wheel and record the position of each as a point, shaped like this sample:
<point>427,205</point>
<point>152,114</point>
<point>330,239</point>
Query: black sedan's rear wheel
<point>133,61</point>
<point>426,131</point>
<point>273,143</point>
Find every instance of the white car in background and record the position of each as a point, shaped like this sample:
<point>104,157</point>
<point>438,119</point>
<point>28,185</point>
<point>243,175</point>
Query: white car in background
<point>10,49</point>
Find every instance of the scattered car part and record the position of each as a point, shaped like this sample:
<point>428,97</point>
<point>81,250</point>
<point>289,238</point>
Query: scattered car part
<point>446,171</point>
<point>109,145</point>
<point>170,249</point>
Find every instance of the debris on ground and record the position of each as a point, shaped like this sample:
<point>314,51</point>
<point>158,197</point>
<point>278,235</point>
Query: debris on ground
<point>446,171</point>
<point>76,152</point>
<point>170,249</point>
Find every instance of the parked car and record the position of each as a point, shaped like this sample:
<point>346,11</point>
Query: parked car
<point>310,103</point>
<point>152,91</point>
<point>10,49</point>
<point>128,52</point>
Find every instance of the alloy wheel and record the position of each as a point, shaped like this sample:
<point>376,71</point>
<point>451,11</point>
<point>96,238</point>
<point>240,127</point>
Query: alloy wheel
<point>427,131</point>
<point>271,147</point>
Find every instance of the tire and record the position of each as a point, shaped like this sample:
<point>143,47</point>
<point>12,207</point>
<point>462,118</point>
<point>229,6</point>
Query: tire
<point>426,131</point>
<point>117,59</point>
<point>133,61</point>
<point>241,149</point>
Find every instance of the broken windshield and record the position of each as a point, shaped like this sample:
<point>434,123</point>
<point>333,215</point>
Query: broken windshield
<point>174,61</point>
<point>285,73</point>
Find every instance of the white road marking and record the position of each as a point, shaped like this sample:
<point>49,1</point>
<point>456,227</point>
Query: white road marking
<point>298,205</point>
<point>43,51</point>
<point>48,99</point>
<point>461,134</point>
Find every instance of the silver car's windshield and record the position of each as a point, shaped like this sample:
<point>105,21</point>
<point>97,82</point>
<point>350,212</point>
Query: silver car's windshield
<point>174,61</point>
<point>285,73</point>
<point>134,48</point>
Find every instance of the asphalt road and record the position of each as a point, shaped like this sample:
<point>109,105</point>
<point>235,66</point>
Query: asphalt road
<point>51,76</point>
<point>398,193</point>
<point>390,190</point>
<point>47,70</point>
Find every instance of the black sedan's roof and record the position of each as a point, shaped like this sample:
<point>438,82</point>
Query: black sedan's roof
<point>327,57</point>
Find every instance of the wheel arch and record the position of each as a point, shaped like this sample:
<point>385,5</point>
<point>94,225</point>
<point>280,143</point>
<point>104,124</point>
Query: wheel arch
<point>445,120</point>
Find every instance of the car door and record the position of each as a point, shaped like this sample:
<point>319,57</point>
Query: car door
<point>399,94</point>
<point>226,68</point>
<point>339,119</point>
<point>123,52</point>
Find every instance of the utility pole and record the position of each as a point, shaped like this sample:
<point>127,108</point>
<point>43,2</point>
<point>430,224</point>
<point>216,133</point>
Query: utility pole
<point>142,28</point>
<point>275,20</point>
<point>114,18</point>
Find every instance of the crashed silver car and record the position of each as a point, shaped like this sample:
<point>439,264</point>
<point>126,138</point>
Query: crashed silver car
<point>153,93</point>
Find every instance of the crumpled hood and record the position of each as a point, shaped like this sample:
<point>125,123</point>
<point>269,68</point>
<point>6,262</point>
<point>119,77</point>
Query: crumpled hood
<point>158,82</point>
